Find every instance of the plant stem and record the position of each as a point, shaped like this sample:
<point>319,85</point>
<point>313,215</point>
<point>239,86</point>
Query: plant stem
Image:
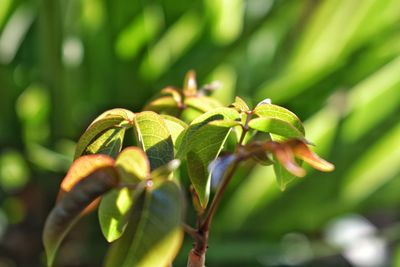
<point>197,255</point>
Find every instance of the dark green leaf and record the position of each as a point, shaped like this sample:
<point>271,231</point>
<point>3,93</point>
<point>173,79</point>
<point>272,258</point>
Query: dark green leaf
<point>67,211</point>
<point>202,142</point>
<point>154,235</point>
<point>108,143</point>
<point>154,137</point>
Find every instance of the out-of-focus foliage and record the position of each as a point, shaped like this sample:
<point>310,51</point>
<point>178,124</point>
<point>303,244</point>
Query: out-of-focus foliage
<point>334,62</point>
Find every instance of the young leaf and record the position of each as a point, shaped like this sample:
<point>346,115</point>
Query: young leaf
<point>275,126</point>
<point>132,165</point>
<point>190,84</point>
<point>240,105</point>
<point>153,134</point>
<point>124,114</point>
<point>154,235</point>
<point>175,126</point>
<point>201,143</point>
<point>279,113</point>
<point>67,211</point>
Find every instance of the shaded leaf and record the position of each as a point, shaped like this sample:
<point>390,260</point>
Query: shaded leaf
<point>132,165</point>
<point>154,235</point>
<point>66,212</point>
<point>154,137</point>
<point>275,126</point>
<point>218,168</point>
<point>201,143</point>
<point>164,172</point>
<point>108,143</point>
<point>280,113</point>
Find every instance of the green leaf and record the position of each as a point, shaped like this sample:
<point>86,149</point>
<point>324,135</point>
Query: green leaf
<point>175,126</point>
<point>114,118</point>
<point>108,143</point>
<point>240,105</point>
<point>283,177</point>
<point>132,165</point>
<point>114,212</point>
<point>164,172</point>
<point>154,137</point>
<point>164,104</point>
<point>68,210</point>
<point>154,235</point>
<point>275,126</point>
<point>202,143</point>
<point>280,113</point>
<point>81,168</point>
<point>202,103</point>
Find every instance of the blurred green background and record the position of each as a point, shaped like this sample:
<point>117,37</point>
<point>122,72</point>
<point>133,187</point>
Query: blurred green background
<point>336,63</point>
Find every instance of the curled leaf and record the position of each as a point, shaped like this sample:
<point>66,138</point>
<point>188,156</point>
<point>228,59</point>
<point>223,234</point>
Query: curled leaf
<point>302,151</point>
<point>68,210</point>
<point>286,158</point>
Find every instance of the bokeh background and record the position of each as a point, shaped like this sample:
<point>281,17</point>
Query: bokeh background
<point>336,63</point>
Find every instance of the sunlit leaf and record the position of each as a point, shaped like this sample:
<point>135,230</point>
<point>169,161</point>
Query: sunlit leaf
<point>276,112</point>
<point>114,211</point>
<point>202,103</point>
<point>153,235</point>
<point>175,126</point>
<point>132,165</point>
<point>302,151</point>
<point>190,84</point>
<point>155,138</point>
<point>81,168</point>
<point>240,105</point>
<point>67,211</point>
<point>275,126</point>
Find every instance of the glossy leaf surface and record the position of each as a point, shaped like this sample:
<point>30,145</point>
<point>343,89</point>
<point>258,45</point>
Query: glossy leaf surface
<point>275,126</point>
